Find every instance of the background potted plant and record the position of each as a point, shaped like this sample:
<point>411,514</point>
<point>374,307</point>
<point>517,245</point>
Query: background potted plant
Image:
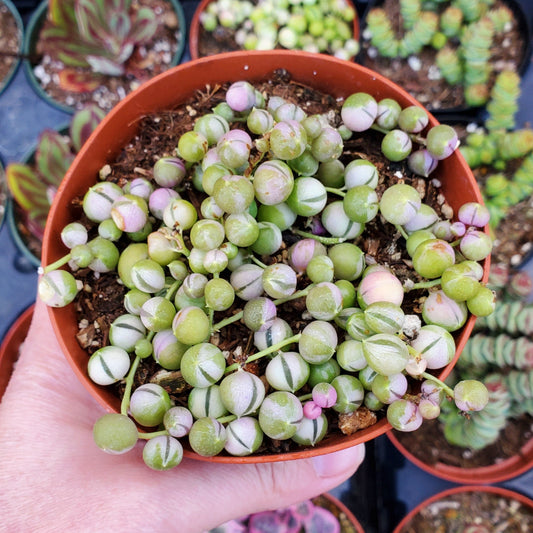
<point>33,182</point>
<point>446,54</point>
<point>330,27</point>
<point>3,194</point>
<point>11,39</point>
<point>494,445</point>
<point>500,155</point>
<point>324,514</point>
<point>118,137</point>
<point>82,51</point>
<point>471,508</point>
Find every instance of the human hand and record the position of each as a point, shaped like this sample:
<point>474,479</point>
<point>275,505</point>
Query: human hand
<point>54,478</point>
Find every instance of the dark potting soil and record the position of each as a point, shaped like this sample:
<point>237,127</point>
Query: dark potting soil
<point>9,42</point>
<point>482,511</point>
<point>101,300</point>
<point>147,61</point>
<point>417,74</point>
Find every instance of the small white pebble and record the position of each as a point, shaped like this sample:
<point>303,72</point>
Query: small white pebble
<point>415,63</point>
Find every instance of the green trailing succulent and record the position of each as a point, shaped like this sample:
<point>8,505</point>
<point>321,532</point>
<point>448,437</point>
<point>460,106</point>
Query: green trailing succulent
<point>497,145</point>
<point>100,34</point>
<point>500,353</point>
<point>462,33</point>
<point>33,185</point>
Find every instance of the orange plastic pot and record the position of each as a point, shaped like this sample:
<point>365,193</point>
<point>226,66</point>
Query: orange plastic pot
<point>194,30</point>
<point>344,509</point>
<point>334,76</point>
<point>503,470</point>
<point>9,349</point>
<point>499,491</point>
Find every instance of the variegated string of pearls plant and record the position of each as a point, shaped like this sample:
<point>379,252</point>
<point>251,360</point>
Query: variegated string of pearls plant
<point>183,267</point>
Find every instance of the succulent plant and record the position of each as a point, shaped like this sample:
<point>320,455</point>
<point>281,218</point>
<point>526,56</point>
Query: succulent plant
<point>461,34</point>
<point>500,353</point>
<point>305,517</point>
<point>97,34</point>
<point>33,186</point>
<point>274,236</point>
<point>314,26</point>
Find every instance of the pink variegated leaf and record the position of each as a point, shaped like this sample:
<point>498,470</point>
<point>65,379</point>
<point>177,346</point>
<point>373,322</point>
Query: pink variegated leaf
<point>64,46</point>
<point>27,189</point>
<point>79,82</point>
<point>322,521</point>
<point>35,223</point>
<point>144,26</point>
<point>265,522</point>
<point>53,156</point>
<point>107,66</point>
<point>83,124</point>
<point>61,12</point>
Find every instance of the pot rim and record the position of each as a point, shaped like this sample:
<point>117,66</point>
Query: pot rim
<point>503,470</point>
<point>229,66</point>
<point>10,345</point>
<point>501,491</point>
<point>345,509</point>
<point>31,37</point>
<point>194,30</point>
<point>20,26</point>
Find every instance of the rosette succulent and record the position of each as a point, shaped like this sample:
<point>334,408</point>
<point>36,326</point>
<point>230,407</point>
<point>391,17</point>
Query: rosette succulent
<point>97,34</point>
<point>247,279</point>
<point>33,184</point>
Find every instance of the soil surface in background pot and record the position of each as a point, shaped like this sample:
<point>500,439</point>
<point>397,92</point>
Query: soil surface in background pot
<point>102,299</point>
<point>9,42</point>
<point>429,445</point>
<point>484,512</point>
<point>146,62</point>
<point>417,74</point>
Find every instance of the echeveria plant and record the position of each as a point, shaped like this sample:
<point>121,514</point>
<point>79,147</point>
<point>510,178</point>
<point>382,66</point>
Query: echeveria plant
<point>34,184</point>
<point>305,517</point>
<point>98,34</point>
<point>273,224</point>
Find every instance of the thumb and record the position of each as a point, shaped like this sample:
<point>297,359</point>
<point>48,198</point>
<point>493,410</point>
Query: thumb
<point>251,488</point>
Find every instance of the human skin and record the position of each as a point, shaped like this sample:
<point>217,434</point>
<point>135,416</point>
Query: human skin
<point>54,478</point>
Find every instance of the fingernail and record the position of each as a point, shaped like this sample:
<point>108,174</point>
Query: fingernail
<point>337,463</point>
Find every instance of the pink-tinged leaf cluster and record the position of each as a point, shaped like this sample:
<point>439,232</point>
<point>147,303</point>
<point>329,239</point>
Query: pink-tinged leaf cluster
<point>305,517</point>
<point>100,34</point>
<point>33,185</point>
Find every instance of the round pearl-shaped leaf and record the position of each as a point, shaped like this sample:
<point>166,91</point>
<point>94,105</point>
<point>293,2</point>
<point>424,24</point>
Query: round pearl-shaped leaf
<point>280,415</point>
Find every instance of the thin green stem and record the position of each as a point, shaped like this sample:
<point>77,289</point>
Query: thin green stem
<point>266,351</point>
<point>305,397</point>
<point>402,231</point>
<point>124,406</point>
<point>153,434</point>
<point>57,264</point>
<point>172,290</point>
<point>431,377</point>
<point>424,284</point>
<point>323,240</point>
<point>226,419</point>
<point>338,192</point>
<point>257,261</point>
